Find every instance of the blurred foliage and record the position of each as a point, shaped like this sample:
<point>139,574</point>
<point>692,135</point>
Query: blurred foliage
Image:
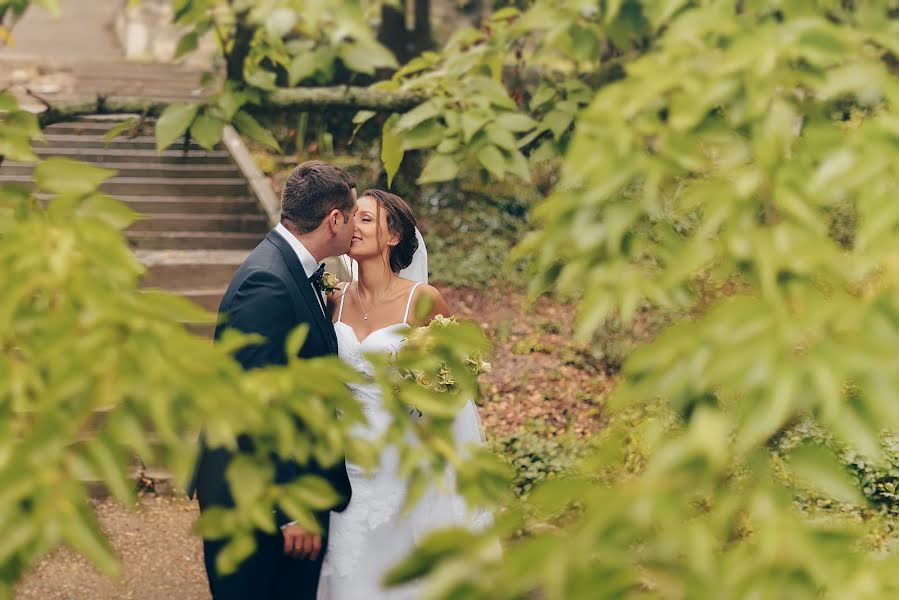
<point>95,370</point>
<point>876,477</point>
<point>721,153</point>
<point>746,145</point>
<point>535,456</point>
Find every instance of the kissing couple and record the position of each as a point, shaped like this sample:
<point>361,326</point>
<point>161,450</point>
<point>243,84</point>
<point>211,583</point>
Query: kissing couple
<point>279,287</point>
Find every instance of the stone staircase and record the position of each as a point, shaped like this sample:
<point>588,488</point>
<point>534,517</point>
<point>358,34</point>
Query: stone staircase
<point>201,219</point>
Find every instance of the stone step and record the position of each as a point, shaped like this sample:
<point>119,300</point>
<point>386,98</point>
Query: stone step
<point>202,222</point>
<point>208,298</point>
<point>188,186</point>
<point>143,142</point>
<point>153,205</point>
<point>153,480</point>
<point>101,156</point>
<point>202,330</point>
<point>193,240</point>
<point>97,126</point>
<point>139,169</point>
<point>190,269</point>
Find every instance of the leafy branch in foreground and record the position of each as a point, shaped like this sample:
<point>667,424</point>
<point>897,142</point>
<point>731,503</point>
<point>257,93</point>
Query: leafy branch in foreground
<point>95,370</point>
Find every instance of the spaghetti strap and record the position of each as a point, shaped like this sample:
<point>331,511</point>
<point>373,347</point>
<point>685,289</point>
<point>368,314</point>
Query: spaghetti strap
<point>346,290</point>
<point>409,303</point>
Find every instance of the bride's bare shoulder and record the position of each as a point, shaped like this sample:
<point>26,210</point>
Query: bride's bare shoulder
<point>428,303</point>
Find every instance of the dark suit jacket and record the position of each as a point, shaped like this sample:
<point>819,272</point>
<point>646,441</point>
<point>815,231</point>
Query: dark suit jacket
<point>270,295</point>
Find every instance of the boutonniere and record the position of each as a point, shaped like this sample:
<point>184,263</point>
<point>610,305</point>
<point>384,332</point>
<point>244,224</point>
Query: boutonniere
<point>329,283</point>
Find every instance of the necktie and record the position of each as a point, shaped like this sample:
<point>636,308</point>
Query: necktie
<point>316,280</point>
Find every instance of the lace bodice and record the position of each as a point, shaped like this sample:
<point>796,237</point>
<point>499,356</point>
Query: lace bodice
<point>378,496</point>
<point>386,339</point>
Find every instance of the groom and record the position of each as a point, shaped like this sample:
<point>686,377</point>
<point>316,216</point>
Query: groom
<point>277,288</point>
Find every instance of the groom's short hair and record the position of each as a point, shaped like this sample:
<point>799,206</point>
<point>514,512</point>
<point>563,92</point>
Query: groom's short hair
<point>312,190</point>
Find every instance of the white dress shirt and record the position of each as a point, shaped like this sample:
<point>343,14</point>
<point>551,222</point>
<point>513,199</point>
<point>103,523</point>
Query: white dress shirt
<point>306,259</point>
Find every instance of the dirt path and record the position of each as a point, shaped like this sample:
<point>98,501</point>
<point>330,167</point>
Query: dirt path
<point>161,558</point>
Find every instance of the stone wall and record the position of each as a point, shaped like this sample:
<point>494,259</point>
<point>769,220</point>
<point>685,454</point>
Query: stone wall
<point>146,33</point>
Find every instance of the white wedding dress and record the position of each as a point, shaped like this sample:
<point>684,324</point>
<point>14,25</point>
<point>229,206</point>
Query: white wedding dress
<point>372,535</point>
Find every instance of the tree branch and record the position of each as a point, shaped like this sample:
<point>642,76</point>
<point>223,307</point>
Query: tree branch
<point>304,98</point>
<point>65,110</point>
<point>360,98</point>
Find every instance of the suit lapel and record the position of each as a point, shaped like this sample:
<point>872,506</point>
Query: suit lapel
<point>299,275</point>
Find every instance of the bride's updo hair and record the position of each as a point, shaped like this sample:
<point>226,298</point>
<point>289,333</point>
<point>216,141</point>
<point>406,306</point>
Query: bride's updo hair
<point>401,223</point>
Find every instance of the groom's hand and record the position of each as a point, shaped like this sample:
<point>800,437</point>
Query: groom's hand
<point>299,543</point>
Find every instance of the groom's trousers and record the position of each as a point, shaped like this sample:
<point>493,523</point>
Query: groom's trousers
<point>268,574</point>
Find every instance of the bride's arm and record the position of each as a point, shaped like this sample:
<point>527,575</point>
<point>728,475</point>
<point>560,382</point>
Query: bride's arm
<point>428,300</point>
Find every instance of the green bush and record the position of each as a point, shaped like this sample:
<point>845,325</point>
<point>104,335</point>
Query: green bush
<point>877,478</point>
<point>535,457</point>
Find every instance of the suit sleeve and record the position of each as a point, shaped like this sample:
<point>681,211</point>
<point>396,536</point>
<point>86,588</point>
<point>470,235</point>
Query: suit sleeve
<point>262,305</point>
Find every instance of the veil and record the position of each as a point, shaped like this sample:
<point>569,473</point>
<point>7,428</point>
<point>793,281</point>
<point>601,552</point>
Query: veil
<point>439,508</point>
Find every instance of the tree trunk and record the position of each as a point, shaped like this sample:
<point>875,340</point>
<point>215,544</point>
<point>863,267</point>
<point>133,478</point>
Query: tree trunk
<point>234,60</point>
<point>393,33</point>
<point>421,36</point>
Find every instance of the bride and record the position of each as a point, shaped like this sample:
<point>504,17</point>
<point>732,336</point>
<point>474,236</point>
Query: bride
<point>373,313</point>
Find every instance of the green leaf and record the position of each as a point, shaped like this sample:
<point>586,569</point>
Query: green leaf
<point>234,553</point>
<point>518,165</point>
<point>544,94</point>
<point>251,128</point>
<point>230,102</point>
<point>296,339</point>
<point>472,122</point>
<point>246,480</point>
<point>51,6</point>
<point>493,160</point>
<point>20,123</point>
<point>492,90</point>
<point>207,130</point>
<point>417,115</point>
<point>17,148</point>
<point>424,135</point>
<point>391,148</point>
<point>302,67</point>
<point>429,553</point>
<point>86,538</point>
<point>173,122</point>
<point>360,119</point>
<point>363,116</point>
<point>364,56</point>
<point>187,44</point>
<point>314,493</point>
<point>111,211</point>
<point>8,102</point>
<point>448,145</point>
<point>262,79</point>
<point>64,175</point>
<point>119,129</point>
<point>280,22</point>
<point>516,122</point>
<point>501,137</point>
<point>439,167</point>
<point>820,468</point>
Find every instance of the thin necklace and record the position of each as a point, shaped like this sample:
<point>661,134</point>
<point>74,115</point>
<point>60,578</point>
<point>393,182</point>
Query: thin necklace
<point>378,301</point>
